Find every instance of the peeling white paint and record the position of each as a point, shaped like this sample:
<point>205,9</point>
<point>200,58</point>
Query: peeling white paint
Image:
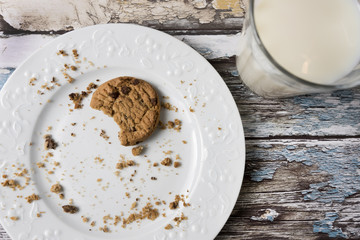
<point>213,46</point>
<point>62,14</point>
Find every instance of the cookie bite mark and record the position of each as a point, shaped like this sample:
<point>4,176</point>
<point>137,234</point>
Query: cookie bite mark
<point>133,103</point>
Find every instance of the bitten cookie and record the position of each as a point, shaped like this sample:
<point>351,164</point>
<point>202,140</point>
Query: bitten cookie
<point>133,103</point>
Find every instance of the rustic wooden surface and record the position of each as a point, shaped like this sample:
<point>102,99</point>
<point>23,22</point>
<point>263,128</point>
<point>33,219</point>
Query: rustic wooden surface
<point>302,177</point>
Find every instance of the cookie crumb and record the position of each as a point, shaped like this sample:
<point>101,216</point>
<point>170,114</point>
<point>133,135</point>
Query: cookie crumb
<point>91,86</point>
<point>155,164</point>
<point>184,142</point>
<point>74,68</point>
<point>130,163</point>
<point>133,205</point>
<point>31,81</point>
<point>84,219</point>
<point>177,164</point>
<point>77,98</point>
<point>171,124</point>
<point>191,109</point>
<point>61,196</point>
<point>75,53</point>
<point>92,223</point>
<point>14,218</point>
<point>178,220</point>
<point>166,162</point>
<point>70,209</point>
<point>62,52</point>
<point>117,219</point>
<point>56,188</point>
<point>153,178</point>
<point>168,227</point>
<point>104,135</point>
<point>49,142</point>
<point>136,151</point>
<point>32,198</point>
<point>105,229</point>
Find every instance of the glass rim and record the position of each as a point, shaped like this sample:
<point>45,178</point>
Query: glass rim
<point>278,66</point>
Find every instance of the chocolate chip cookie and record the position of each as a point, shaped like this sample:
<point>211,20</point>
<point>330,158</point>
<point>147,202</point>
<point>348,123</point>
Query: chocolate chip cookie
<point>133,103</point>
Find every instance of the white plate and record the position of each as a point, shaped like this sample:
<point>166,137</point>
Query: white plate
<point>212,160</point>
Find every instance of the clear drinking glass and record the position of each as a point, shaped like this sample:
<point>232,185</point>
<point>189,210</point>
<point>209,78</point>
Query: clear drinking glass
<point>264,76</point>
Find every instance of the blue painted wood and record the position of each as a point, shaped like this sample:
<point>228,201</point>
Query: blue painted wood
<point>4,75</point>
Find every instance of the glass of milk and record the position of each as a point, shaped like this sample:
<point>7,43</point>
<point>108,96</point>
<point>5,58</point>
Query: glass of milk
<point>294,47</point>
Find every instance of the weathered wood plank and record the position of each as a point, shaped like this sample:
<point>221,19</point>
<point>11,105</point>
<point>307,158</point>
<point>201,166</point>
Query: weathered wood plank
<point>25,16</point>
<point>334,114</point>
<point>15,49</point>
<point>314,188</point>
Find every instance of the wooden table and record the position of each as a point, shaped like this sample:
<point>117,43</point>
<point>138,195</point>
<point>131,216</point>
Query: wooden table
<point>302,176</point>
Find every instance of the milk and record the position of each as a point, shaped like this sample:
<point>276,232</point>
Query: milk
<point>315,40</point>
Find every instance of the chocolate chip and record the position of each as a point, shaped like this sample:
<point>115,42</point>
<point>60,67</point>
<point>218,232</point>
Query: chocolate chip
<point>125,90</point>
<point>135,82</point>
<point>114,94</point>
<point>153,101</point>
